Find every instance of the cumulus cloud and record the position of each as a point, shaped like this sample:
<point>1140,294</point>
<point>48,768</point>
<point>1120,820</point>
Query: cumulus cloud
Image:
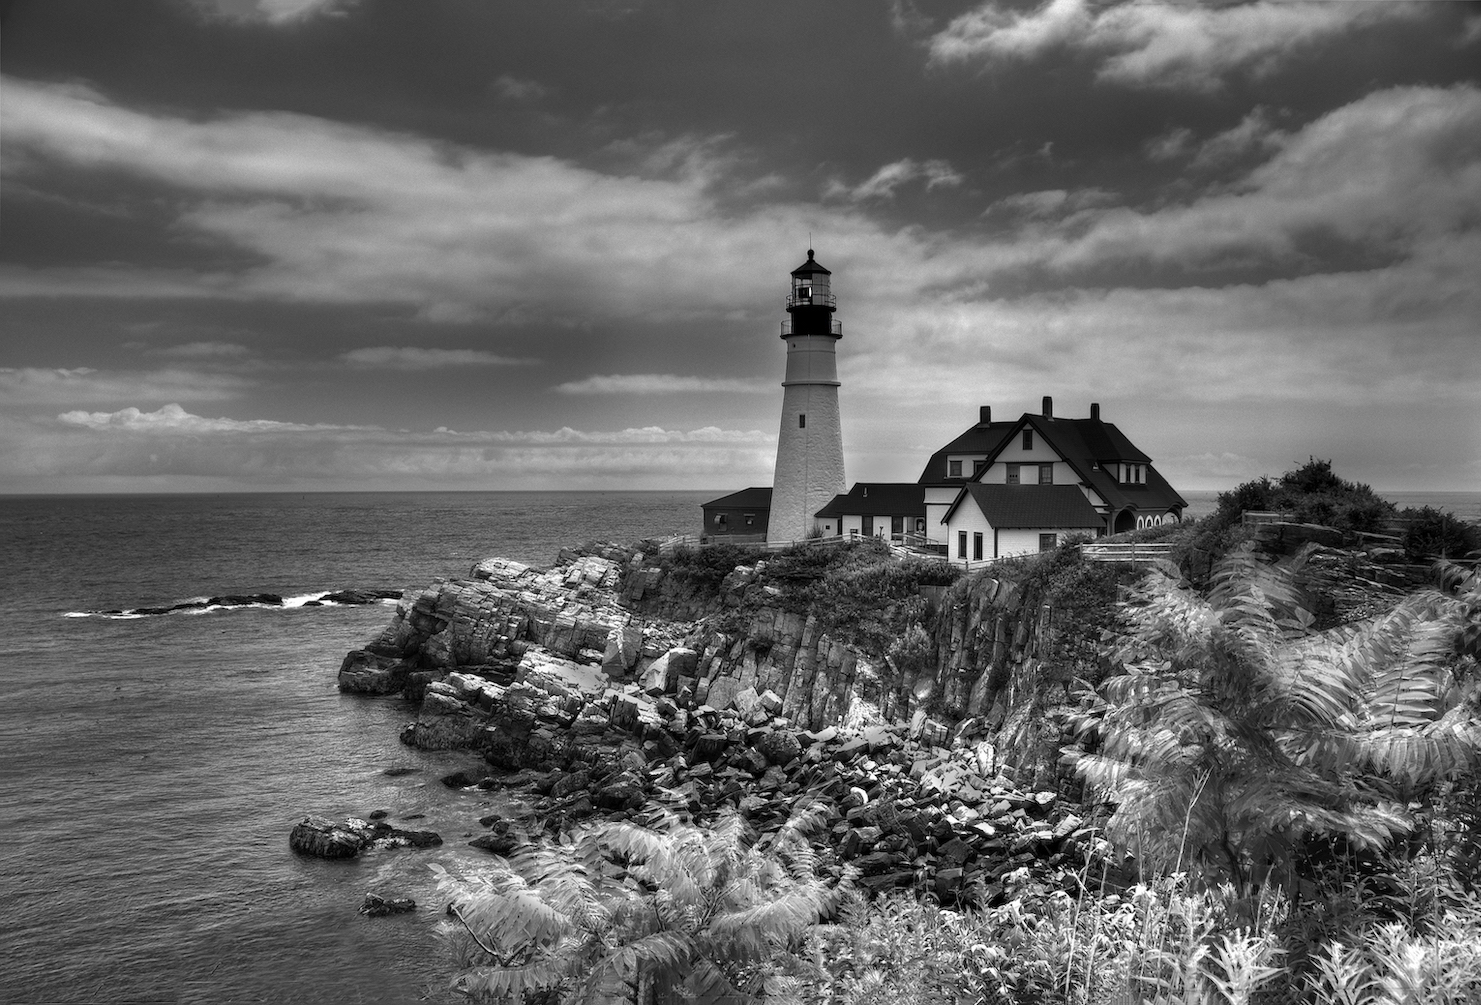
<point>663,383</point>
<point>173,418</point>
<point>276,12</point>
<point>350,214</point>
<point>1394,172</point>
<point>1255,135</point>
<point>517,89</point>
<point>414,358</point>
<point>882,184</point>
<point>1146,44</point>
<point>42,386</point>
<point>171,443</point>
<point>1391,182</point>
<point>1052,202</point>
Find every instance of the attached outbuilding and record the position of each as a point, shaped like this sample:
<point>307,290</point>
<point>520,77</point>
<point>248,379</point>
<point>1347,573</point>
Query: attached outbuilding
<point>740,516</point>
<point>988,520</point>
<point>892,510</point>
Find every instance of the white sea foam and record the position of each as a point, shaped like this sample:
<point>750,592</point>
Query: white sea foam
<point>299,601</point>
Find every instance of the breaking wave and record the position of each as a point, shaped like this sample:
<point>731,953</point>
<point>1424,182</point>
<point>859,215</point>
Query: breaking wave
<point>248,601</point>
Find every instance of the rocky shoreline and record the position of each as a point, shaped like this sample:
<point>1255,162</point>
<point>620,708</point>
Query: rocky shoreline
<point>604,688</point>
<point>586,708</point>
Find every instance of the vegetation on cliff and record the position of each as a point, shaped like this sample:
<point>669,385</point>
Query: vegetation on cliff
<point>1279,795</point>
<point>1311,493</point>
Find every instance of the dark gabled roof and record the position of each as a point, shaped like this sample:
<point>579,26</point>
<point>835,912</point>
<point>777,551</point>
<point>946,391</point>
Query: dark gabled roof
<point>810,267</point>
<point>983,438</point>
<point>1086,445</point>
<point>878,499</point>
<point>752,498</point>
<point>1024,507</point>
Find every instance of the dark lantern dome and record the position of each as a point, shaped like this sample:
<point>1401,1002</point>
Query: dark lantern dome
<point>810,267</point>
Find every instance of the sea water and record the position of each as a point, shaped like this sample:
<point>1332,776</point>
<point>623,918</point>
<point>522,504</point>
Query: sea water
<point>153,765</point>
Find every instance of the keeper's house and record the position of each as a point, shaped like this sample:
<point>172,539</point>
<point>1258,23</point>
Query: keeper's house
<point>1008,488</point>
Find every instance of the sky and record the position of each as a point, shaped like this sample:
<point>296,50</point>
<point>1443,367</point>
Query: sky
<point>456,244</point>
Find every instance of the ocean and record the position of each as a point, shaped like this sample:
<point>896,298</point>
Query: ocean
<point>154,765</point>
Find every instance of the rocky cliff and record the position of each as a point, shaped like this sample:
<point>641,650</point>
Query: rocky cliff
<point>616,681</point>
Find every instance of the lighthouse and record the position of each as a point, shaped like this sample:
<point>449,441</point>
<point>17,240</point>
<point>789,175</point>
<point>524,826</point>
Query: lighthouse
<point>809,453</point>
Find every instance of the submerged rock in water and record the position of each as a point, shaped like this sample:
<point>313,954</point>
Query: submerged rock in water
<point>360,596</point>
<point>376,906</point>
<point>246,600</point>
<point>319,836</point>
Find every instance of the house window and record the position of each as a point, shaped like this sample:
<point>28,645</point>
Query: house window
<point>1046,542</point>
<point>920,525</point>
<point>719,519</point>
<point>1028,439</point>
<point>977,545</point>
<point>897,525</point>
<point>801,420</point>
<point>961,544</point>
<point>750,519</point>
<point>1013,474</point>
<point>977,466</point>
<point>953,469</point>
<point>1046,474</point>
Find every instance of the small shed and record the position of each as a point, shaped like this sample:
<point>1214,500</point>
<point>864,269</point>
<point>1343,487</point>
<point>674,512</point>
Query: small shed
<point>741,515</point>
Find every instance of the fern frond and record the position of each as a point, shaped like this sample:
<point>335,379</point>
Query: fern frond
<point>497,982</point>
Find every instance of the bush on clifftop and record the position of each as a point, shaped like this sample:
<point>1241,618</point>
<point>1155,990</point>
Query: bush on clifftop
<point>1312,493</point>
<point>1434,533</point>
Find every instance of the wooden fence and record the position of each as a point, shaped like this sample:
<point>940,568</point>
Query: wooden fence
<point>900,545</point>
<point>1133,552</point>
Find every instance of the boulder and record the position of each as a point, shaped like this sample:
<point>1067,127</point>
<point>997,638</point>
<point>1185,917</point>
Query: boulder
<point>624,646</point>
<point>778,746</point>
<point>723,692</point>
<point>322,837</point>
<point>496,844</point>
<point>443,722</point>
<point>376,906</point>
<point>355,597</point>
<point>365,672</point>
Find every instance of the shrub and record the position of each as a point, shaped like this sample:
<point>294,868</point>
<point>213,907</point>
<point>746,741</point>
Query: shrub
<point>1312,493</point>
<point>702,570</point>
<point>1434,533</point>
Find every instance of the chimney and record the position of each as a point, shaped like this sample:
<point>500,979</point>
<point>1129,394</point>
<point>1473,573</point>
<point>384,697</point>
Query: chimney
<point>984,415</point>
<point>1048,407</point>
<point>1095,410</point>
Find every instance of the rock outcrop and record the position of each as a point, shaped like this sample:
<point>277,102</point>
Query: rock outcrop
<point>323,838</point>
<point>508,620</point>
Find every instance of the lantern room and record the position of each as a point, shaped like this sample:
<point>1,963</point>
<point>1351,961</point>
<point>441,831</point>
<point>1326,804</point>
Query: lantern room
<point>810,304</point>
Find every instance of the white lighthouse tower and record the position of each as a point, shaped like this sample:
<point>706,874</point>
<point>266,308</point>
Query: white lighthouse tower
<point>809,453</point>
